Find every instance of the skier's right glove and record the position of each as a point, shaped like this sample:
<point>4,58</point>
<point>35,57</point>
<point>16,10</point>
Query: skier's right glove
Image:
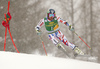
<point>71,28</point>
<point>38,31</point>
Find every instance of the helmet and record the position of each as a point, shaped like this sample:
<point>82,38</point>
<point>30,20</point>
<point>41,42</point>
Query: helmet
<point>51,11</point>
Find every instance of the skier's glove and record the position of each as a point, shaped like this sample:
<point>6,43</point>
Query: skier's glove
<point>71,28</point>
<point>66,23</point>
<point>38,31</point>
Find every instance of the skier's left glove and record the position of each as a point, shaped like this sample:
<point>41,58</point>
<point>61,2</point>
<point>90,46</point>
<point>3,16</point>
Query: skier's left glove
<point>38,31</point>
<point>71,28</point>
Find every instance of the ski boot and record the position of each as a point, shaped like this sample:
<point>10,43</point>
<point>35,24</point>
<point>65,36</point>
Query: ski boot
<point>78,51</point>
<point>60,46</point>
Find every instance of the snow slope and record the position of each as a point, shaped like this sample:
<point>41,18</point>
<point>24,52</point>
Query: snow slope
<point>10,60</point>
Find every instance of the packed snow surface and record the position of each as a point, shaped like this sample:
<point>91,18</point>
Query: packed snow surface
<point>9,60</point>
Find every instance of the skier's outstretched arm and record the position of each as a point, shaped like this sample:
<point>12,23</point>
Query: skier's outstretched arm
<point>66,23</point>
<point>40,24</point>
<point>62,21</point>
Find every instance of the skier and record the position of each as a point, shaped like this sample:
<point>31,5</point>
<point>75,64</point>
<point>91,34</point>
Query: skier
<point>4,23</point>
<point>52,27</point>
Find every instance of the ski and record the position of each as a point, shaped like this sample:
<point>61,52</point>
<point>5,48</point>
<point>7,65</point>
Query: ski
<point>78,51</point>
<point>77,55</point>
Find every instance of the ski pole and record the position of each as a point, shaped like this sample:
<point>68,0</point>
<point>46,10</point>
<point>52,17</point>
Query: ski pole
<point>43,45</point>
<point>82,40</point>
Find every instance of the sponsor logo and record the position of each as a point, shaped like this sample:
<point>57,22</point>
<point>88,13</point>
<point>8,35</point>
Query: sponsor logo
<point>51,23</point>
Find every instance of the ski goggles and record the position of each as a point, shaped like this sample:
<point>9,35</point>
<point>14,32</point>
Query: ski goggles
<point>51,15</point>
